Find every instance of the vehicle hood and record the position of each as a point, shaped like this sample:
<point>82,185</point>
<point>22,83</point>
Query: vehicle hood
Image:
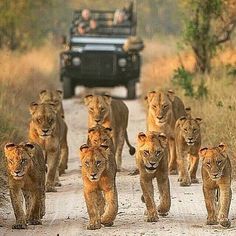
<point>81,44</point>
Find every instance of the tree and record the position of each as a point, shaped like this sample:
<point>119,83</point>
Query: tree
<point>209,24</point>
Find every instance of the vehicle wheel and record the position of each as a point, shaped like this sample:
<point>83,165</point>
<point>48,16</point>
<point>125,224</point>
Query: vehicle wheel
<point>131,90</point>
<point>68,88</point>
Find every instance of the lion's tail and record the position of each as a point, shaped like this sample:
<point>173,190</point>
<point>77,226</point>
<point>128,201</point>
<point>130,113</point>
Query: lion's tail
<point>131,148</point>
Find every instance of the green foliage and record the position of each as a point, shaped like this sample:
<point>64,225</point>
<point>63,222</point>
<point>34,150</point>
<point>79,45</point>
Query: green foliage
<point>184,79</point>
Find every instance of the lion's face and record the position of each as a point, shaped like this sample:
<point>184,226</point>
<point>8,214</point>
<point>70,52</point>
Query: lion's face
<point>99,135</point>
<point>98,107</point>
<point>152,148</point>
<point>214,160</point>
<point>94,161</point>
<point>52,96</point>
<point>44,119</point>
<point>160,106</point>
<point>190,129</point>
<point>19,159</point>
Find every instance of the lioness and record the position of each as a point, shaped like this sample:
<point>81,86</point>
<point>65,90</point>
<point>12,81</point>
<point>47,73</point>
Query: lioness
<point>111,113</point>
<point>163,111</point>
<point>53,96</point>
<point>26,173</point>
<point>152,162</point>
<point>188,143</point>
<point>216,176</point>
<point>49,130</point>
<point>98,173</point>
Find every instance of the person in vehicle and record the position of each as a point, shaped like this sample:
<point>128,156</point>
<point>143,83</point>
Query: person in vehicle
<point>120,18</point>
<point>93,26</point>
<point>82,28</point>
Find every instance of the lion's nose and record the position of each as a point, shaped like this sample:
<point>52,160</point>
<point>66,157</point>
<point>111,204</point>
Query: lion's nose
<point>97,120</point>
<point>215,174</point>
<point>45,130</point>
<point>152,163</point>
<point>93,175</point>
<point>159,117</point>
<point>17,171</point>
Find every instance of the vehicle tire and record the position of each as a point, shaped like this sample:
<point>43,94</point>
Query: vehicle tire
<point>131,90</point>
<point>68,88</point>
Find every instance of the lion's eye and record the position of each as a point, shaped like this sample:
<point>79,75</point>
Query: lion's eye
<point>50,121</point>
<point>185,130</point>
<point>39,120</point>
<point>102,109</point>
<point>208,164</point>
<point>11,161</point>
<point>87,163</point>
<point>146,153</point>
<point>165,106</point>
<point>194,130</point>
<point>23,161</point>
<point>91,109</point>
<point>158,153</point>
<point>154,106</point>
<point>219,162</point>
<point>98,163</point>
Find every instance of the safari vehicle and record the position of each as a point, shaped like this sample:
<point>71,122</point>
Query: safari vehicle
<point>101,59</point>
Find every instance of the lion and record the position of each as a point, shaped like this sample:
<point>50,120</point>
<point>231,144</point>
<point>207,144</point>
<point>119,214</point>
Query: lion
<point>163,111</point>
<point>188,143</point>
<point>98,173</point>
<point>48,129</point>
<point>152,162</point>
<point>216,176</point>
<point>53,96</point>
<point>26,174</point>
<point>110,113</point>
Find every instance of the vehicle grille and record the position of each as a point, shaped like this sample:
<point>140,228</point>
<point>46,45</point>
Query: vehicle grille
<point>98,64</point>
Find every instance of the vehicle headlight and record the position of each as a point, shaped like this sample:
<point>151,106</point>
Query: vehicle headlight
<point>122,62</point>
<point>76,61</point>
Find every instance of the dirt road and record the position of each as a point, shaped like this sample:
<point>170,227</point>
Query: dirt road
<point>66,210</point>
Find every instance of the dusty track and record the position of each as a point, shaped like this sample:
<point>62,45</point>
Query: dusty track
<point>66,210</point>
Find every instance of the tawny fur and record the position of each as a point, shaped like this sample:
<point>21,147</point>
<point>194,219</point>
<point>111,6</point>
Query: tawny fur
<point>110,113</point>
<point>216,176</point>
<point>163,111</point>
<point>152,162</point>
<point>54,97</point>
<point>26,174</point>
<point>188,143</point>
<point>98,173</point>
<point>49,130</point>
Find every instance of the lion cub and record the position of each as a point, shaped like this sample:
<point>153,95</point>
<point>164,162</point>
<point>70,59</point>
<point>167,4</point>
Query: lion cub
<point>152,162</point>
<point>98,173</point>
<point>216,176</point>
<point>188,143</point>
<point>26,173</point>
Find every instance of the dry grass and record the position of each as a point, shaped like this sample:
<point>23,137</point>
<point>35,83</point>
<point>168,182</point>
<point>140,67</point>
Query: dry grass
<point>22,76</point>
<point>218,111</point>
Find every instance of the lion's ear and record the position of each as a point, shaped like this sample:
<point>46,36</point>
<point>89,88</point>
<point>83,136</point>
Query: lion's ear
<point>59,93</point>
<point>9,146</point>
<point>91,129</point>
<point>171,95</point>
<point>107,98</point>
<point>42,93</point>
<point>203,151</point>
<point>222,147</point>
<point>180,121</point>
<point>30,148</point>
<point>150,95</point>
<point>84,148</point>
<point>199,120</point>
<point>163,139</point>
<point>87,99</point>
<point>141,137</point>
<point>108,129</point>
<point>33,107</point>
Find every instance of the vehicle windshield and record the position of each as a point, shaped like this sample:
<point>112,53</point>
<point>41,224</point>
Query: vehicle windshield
<point>103,23</point>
